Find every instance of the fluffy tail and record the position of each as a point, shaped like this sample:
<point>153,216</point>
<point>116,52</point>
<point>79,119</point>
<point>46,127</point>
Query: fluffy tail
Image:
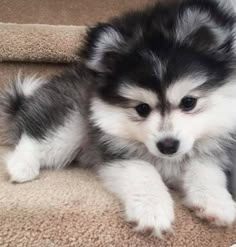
<point>12,98</point>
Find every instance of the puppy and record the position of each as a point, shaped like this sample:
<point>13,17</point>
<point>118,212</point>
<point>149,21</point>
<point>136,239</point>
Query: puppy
<point>151,104</point>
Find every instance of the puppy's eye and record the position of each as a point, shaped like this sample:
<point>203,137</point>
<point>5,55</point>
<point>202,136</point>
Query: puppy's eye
<point>143,109</point>
<point>188,103</point>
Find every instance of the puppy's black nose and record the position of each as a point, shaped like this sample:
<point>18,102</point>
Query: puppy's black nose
<point>168,146</point>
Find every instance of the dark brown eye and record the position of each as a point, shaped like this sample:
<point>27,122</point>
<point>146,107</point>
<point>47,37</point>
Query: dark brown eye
<point>188,103</point>
<point>143,109</point>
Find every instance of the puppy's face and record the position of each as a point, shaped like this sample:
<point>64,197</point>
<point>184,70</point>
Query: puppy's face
<point>169,118</point>
<point>165,90</point>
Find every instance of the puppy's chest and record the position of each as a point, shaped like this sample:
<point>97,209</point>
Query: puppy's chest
<point>171,172</point>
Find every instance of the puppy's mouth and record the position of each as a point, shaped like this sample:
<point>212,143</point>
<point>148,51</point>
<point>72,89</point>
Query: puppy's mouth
<point>171,156</point>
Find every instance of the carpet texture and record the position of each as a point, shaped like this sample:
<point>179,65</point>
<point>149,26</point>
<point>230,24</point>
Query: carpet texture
<point>69,207</point>
<point>39,43</point>
<point>65,12</point>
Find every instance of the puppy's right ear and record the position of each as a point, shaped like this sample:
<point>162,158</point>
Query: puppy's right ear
<point>102,48</point>
<point>206,25</point>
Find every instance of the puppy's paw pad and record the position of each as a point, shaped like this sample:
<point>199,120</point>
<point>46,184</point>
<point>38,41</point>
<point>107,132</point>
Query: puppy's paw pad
<point>155,219</point>
<point>210,219</point>
<point>148,231</point>
<point>218,209</point>
<point>200,212</point>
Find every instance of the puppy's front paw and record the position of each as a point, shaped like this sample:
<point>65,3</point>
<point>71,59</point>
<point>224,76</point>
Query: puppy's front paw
<point>217,206</point>
<point>151,215</point>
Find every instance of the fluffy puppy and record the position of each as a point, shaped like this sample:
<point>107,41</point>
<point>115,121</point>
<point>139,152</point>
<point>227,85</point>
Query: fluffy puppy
<point>150,105</point>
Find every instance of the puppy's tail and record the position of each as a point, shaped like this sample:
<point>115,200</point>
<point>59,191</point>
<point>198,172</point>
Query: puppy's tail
<point>12,99</point>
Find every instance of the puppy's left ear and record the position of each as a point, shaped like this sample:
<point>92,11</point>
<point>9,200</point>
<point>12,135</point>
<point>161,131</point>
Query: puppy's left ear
<point>102,48</point>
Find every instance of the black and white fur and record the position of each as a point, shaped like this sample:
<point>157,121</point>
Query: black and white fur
<point>95,113</point>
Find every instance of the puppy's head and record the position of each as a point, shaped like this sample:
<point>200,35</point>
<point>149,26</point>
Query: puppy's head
<point>166,76</point>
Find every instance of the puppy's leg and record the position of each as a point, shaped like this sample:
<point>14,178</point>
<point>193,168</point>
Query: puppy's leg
<point>145,197</point>
<point>41,119</point>
<point>206,193</point>
<point>57,149</point>
<point>23,163</point>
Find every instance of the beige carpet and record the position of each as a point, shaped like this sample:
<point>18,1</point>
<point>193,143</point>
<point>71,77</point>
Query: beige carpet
<point>65,12</point>
<point>69,207</point>
<point>39,43</point>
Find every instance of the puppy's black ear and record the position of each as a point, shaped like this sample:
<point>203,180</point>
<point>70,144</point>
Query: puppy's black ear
<point>102,48</point>
<point>206,25</point>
